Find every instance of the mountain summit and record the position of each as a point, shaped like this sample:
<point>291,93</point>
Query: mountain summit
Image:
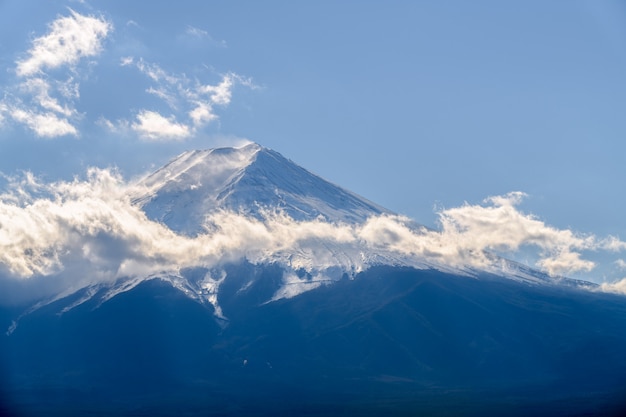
<point>248,180</point>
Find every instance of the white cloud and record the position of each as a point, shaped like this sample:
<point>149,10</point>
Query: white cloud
<point>470,232</point>
<point>45,103</point>
<point>69,39</point>
<point>156,73</point>
<point>198,33</point>
<point>3,109</point>
<point>151,125</point>
<point>109,125</point>
<point>192,103</point>
<point>499,226</point>
<point>46,125</point>
<point>50,111</point>
<point>69,89</point>
<point>166,96</point>
<point>618,287</point>
<point>93,226</point>
<point>202,114</point>
<point>126,61</point>
<point>95,221</point>
<point>44,98</point>
<point>220,94</point>
<point>621,264</point>
<point>565,262</point>
<point>613,244</point>
<point>40,90</point>
<point>88,231</point>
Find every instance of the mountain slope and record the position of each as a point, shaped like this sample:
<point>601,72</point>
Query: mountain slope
<point>394,341</point>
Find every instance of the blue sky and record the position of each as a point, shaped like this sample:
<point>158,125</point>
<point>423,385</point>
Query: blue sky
<point>414,105</point>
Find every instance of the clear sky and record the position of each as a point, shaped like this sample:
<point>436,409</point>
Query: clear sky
<point>412,104</point>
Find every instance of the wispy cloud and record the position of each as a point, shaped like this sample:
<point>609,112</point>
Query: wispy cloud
<point>69,39</point>
<point>194,31</point>
<point>613,244</point>
<point>3,110</point>
<point>45,103</point>
<point>40,91</point>
<point>192,103</point>
<point>203,35</point>
<point>45,95</point>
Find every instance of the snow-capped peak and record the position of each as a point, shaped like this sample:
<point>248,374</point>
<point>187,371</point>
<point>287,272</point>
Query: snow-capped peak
<point>248,179</point>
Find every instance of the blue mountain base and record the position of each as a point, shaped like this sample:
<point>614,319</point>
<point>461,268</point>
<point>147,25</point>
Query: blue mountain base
<point>393,341</point>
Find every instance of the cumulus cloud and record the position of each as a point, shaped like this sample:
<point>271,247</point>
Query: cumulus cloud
<point>45,227</point>
<point>44,101</point>
<point>499,226</point>
<point>153,126</point>
<point>89,231</point>
<point>45,125</point>
<point>219,94</point>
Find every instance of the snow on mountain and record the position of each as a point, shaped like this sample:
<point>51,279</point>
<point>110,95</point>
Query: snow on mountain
<point>248,180</point>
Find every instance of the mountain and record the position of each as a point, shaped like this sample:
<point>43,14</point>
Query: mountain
<point>256,183</point>
<point>321,328</point>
